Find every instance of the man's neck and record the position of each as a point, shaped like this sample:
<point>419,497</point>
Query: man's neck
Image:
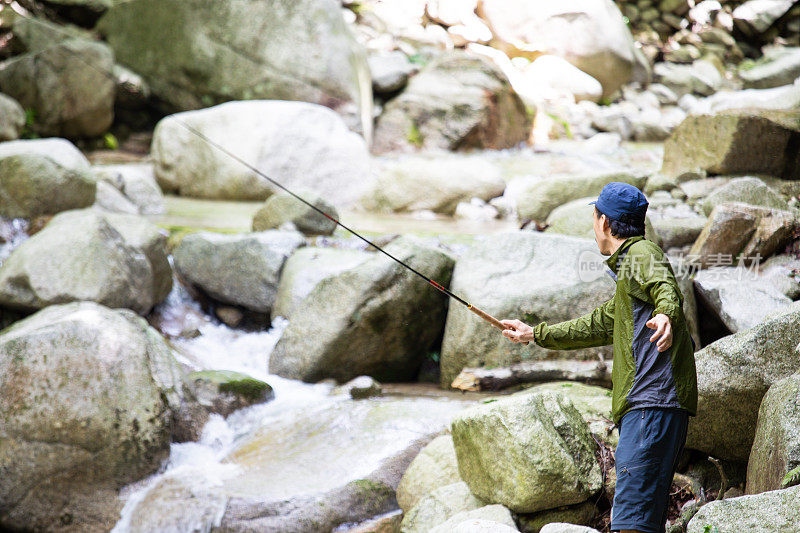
<point>616,243</point>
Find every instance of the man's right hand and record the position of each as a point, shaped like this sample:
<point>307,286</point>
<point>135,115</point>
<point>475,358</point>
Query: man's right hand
<point>517,331</point>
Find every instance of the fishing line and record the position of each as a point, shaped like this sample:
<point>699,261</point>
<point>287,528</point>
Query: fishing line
<point>485,316</point>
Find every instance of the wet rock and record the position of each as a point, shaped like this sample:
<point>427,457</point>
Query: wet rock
<point>592,36</point>
<point>487,519</point>
<point>225,391</point>
<point>240,269</point>
<point>733,374</point>
<point>434,467</point>
<point>736,142</point>
<point>287,50</point>
<point>284,140</point>
<point>103,381</point>
<point>776,448</point>
<point>738,297</point>
<point>456,102</point>
<point>284,208</point>
<point>61,151</point>
<point>560,527</point>
<point>701,77</point>
<point>390,71</point>
<point>754,17</point>
<point>762,513</point>
<point>33,185</point>
<point>360,388</point>
<point>12,118</point>
<point>740,231</point>
<point>65,85</point>
<point>413,183</point>
<point>541,435</point>
<point>582,513</point>
<point>748,190</point>
<point>230,316</point>
<point>122,261</point>
<point>525,275</point>
<point>368,320</point>
<point>306,268</point>
<point>780,69</point>
<point>436,507</point>
<point>137,182</point>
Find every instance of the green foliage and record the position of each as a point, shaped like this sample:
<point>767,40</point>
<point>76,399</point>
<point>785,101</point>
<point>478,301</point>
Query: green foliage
<point>791,478</point>
<point>710,529</point>
<point>418,59</point>
<point>30,122</point>
<point>564,124</point>
<point>490,400</point>
<point>110,141</point>
<point>433,356</point>
<point>414,135</point>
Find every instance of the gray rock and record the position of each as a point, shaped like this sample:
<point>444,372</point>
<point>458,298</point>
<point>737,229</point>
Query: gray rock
<point>525,275</point>
<point>390,71</point>
<point>754,17</point>
<point>701,77</point>
<point>786,97</point>
<point>224,391</point>
<point>286,50</point>
<point>591,35</point>
<point>434,467</point>
<point>61,151</point>
<point>456,102</point>
<point>368,320</point>
<point>487,519</point>
<point>733,374</point>
<point>561,527</point>
<point>762,513</point>
<point>284,208</point>
<point>748,190</point>
<point>776,448</point>
<point>412,183</point>
<point>783,272</point>
<point>66,85</point>
<point>539,448</point>
<point>32,185</point>
<point>284,140</point>
<point>736,142</point>
<point>536,198</point>
<point>110,199</point>
<point>35,34</point>
<point>137,182</point>
<point>306,268</point>
<point>436,507</point>
<point>122,261</point>
<point>583,513</point>
<point>577,218</point>
<point>101,419</point>
<point>240,269</point>
<point>773,71</point>
<point>738,297</point>
<point>12,118</point>
<point>677,232</point>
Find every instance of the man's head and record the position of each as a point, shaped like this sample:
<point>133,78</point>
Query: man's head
<point>619,213</point>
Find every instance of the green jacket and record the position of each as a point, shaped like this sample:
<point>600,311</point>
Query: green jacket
<point>641,376</point>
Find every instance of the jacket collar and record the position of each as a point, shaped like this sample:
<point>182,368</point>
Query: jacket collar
<point>613,258</point>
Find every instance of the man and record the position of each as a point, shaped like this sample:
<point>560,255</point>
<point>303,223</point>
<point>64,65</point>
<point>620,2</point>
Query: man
<point>654,378</point>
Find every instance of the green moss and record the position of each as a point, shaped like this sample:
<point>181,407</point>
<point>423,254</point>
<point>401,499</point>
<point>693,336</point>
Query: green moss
<point>372,493</point>
<point>237,383</point>
<point>414,135</point>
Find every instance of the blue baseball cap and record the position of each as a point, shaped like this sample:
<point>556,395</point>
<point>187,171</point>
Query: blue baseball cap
<point>622,202</point>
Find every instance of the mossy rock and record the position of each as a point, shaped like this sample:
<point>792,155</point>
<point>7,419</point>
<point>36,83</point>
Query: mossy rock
<point>224,391</point>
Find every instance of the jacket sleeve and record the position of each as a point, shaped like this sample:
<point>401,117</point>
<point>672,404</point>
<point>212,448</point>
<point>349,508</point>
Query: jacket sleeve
<point>592,329</point>
<point>651,272</point>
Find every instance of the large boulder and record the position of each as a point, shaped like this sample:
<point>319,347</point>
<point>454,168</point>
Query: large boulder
<point>377,319</point>
<point>137,183</point>
<point>283,208</point>
<point>781,69</point>
<point>458,101</point>
<point>777,510</point>
<point>240,269</point>
<point>61,151</point>
<point>434,182</point>
<point>439,505</point>
<point>733,374</point>
<point>738,296</point>
<point>85,410</point>
<point>736,142</point>
<point>528,452</point>
<point>740,231</point>
<point>590,34</point>
<point>776,448</point>
<point>748,190</point>
<point>112,259</point>
<point>536,197</point>
<point>32,185</point>
<point>196,54</point>
<point>526,275</point>
<point>434,467</point>
<point>287,141</point>
<point>67,85</point>
<point>306,268</point>
<point>12,118</point>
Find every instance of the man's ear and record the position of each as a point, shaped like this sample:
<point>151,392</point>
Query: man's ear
<point>606,222</point>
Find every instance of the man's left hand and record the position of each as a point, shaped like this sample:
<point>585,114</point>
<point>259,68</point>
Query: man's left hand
<point>663,333</point>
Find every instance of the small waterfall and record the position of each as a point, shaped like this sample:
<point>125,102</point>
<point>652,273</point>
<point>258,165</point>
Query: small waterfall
<point>13,232</point>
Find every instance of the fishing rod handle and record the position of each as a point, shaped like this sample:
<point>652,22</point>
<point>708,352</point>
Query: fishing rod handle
<point>487,317</point>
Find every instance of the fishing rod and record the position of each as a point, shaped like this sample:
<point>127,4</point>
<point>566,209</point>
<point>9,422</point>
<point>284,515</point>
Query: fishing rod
<point>482,314</point>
